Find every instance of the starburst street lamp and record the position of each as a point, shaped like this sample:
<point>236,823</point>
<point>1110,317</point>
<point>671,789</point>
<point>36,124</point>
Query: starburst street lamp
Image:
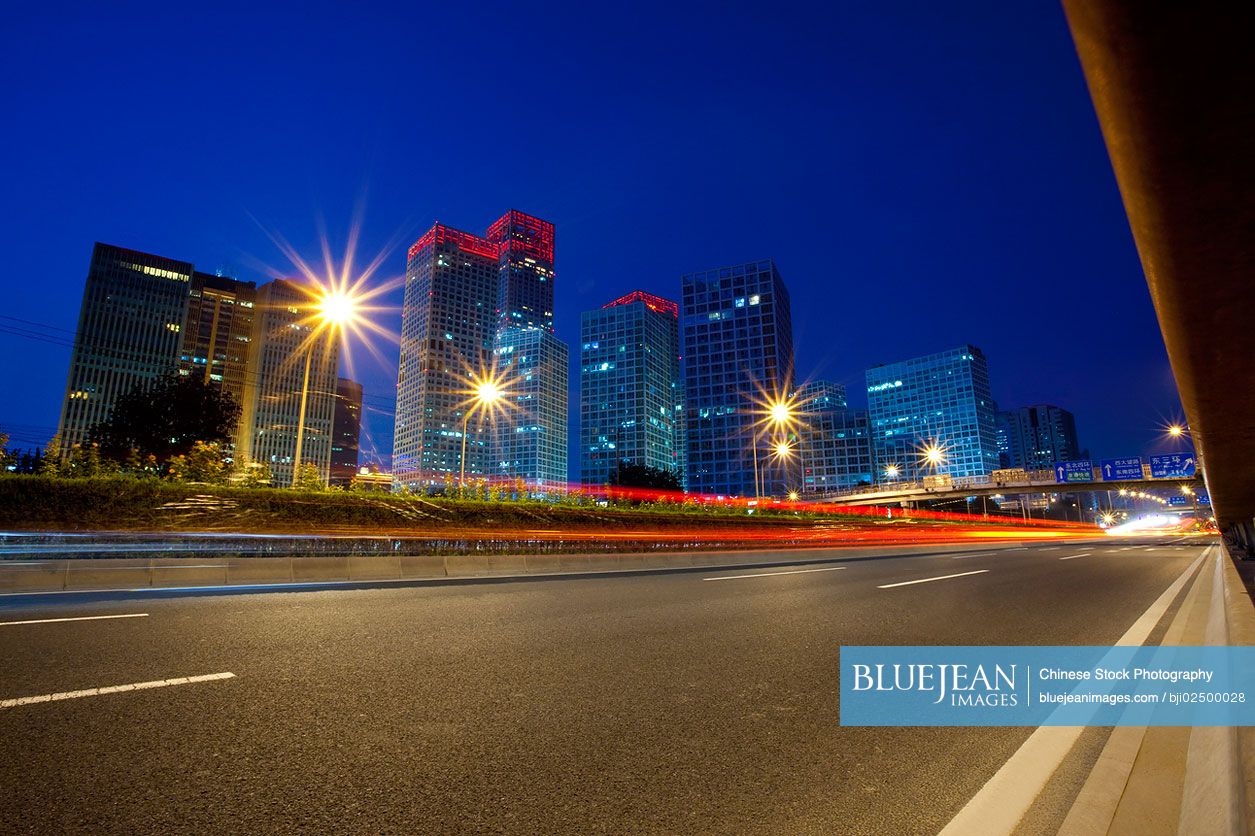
<point>779,414</point>
<point>1176,430</point>
<point>334,310</point>
<point>485,392</point>
<point>892,471</point>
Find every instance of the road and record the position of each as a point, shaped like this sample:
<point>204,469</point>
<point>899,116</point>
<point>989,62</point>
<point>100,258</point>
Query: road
<point>703,701</point>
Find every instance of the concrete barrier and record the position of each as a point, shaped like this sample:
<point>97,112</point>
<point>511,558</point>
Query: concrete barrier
<point>103,573</point>
<point>129,573</point>
<point>422,566</point>
<point>247,570</point>
<point>36,576</point>
<point>374,567</point>
<point>320,568</point>
<point>171,571</point>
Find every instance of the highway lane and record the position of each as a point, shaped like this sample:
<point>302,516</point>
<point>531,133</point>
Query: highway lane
<point>666,702</point>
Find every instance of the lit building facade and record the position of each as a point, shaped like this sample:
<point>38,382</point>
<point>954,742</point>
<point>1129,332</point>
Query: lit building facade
<point>465,297</point>
<point>737,339</point>
<point>128,333</point>
<point>631,400</point>
<point>942,400</point>
<point>284,337</point>
<point>218,331</point>
<point>531,425</point>
<point>1035,437</point>
<point>834,444</point>
<point>820,396</point>
<point>346,431</point>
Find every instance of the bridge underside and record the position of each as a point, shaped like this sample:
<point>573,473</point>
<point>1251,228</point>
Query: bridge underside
<point>1172,86</point>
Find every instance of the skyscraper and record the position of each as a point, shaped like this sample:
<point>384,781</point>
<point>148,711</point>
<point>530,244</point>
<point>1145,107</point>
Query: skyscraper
<point>1035,437</point>
<point>820,396</point>
<point>128,332</point>
<point>835,443</point>
<point>285,343</point>
<point>465,297</point>
<point>939,403</point>
<point>737,337</point>
<point>346,429</point>
<point>531,425</point>
<point>217,332</point>
<point>631,404</point>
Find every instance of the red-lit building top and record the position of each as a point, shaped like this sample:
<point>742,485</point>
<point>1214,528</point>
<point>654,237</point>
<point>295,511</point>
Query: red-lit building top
<point>523,234</point>
<point>654,303</point>
<point>514,232</point>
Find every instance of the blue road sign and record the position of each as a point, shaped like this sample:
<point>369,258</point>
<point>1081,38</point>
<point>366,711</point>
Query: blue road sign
<point>1203,498</point>
<point>1082,471</point>
<point>1178,500</point>
<point>1115,470</point>
<point>1172,466</point>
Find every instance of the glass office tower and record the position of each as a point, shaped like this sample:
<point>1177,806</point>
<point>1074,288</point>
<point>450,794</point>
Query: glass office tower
<point>531,425</point>
<point>465,297</point>
<point>1035,437</point>
<point>346,431</point>
<point>631,404</point>
<point>940,401</point>
<point>128,332</point>
<point>284,336</point>
<point>218,331</point>
<point>737,338</point>
<point>834,442</point>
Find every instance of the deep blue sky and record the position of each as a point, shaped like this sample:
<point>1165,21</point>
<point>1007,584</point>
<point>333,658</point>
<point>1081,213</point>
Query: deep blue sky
<point>924,174</point>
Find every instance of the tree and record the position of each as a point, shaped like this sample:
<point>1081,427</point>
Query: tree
<point>308,478</point>
<point>166,417</point>
<point>629,475</point>
<point>52,464</point>
<point>255,475</point>
<point>203,463</point>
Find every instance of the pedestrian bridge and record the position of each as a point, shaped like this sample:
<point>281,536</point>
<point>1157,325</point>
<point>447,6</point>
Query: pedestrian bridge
<point>895,492</point>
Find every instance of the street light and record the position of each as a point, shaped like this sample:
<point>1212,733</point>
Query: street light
<point>1176,430</point>
<point>779,413</point>
<point>333,311</point>
<point>892,471</point>
<point>484,393</point>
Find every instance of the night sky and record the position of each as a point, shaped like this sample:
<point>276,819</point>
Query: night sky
<point>925,175</point>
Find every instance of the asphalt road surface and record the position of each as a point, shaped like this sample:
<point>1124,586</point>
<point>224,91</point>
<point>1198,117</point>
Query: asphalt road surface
<point>681,702</point>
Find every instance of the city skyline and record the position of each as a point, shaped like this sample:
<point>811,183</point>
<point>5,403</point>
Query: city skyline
<point>967,233</point>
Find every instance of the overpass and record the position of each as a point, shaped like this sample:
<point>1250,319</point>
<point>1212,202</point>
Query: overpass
<point>895,492</point>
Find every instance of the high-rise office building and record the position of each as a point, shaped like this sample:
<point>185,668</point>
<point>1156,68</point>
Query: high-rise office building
<point>465,296</point>
<point>217,332</point>
<point>834,442</point>
<point>525,267</point>
<point>820,396</point>
<point>531,425</point>
<point>285,343</point>
<point>1035,437</point>
<point>939,403</point>
<point>631,404</point>
<point>737,338</point>
<point>128,333</point>
<point>346,431</point>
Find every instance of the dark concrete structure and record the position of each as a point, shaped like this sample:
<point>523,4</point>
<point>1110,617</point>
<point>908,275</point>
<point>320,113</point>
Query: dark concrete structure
<point>1172,88</point>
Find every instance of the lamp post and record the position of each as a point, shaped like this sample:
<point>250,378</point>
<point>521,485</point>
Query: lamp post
<point>486,393</point>
<point>334,310</point>
<point>780,414</point>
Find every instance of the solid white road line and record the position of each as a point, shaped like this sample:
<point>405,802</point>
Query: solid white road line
<point>78,618</point>
<point>1075,556</point>
<point>978,554</point>
<point>999,805</point>
<point>115,689</point>
<point>930,580</point>
<point>770,574</point>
